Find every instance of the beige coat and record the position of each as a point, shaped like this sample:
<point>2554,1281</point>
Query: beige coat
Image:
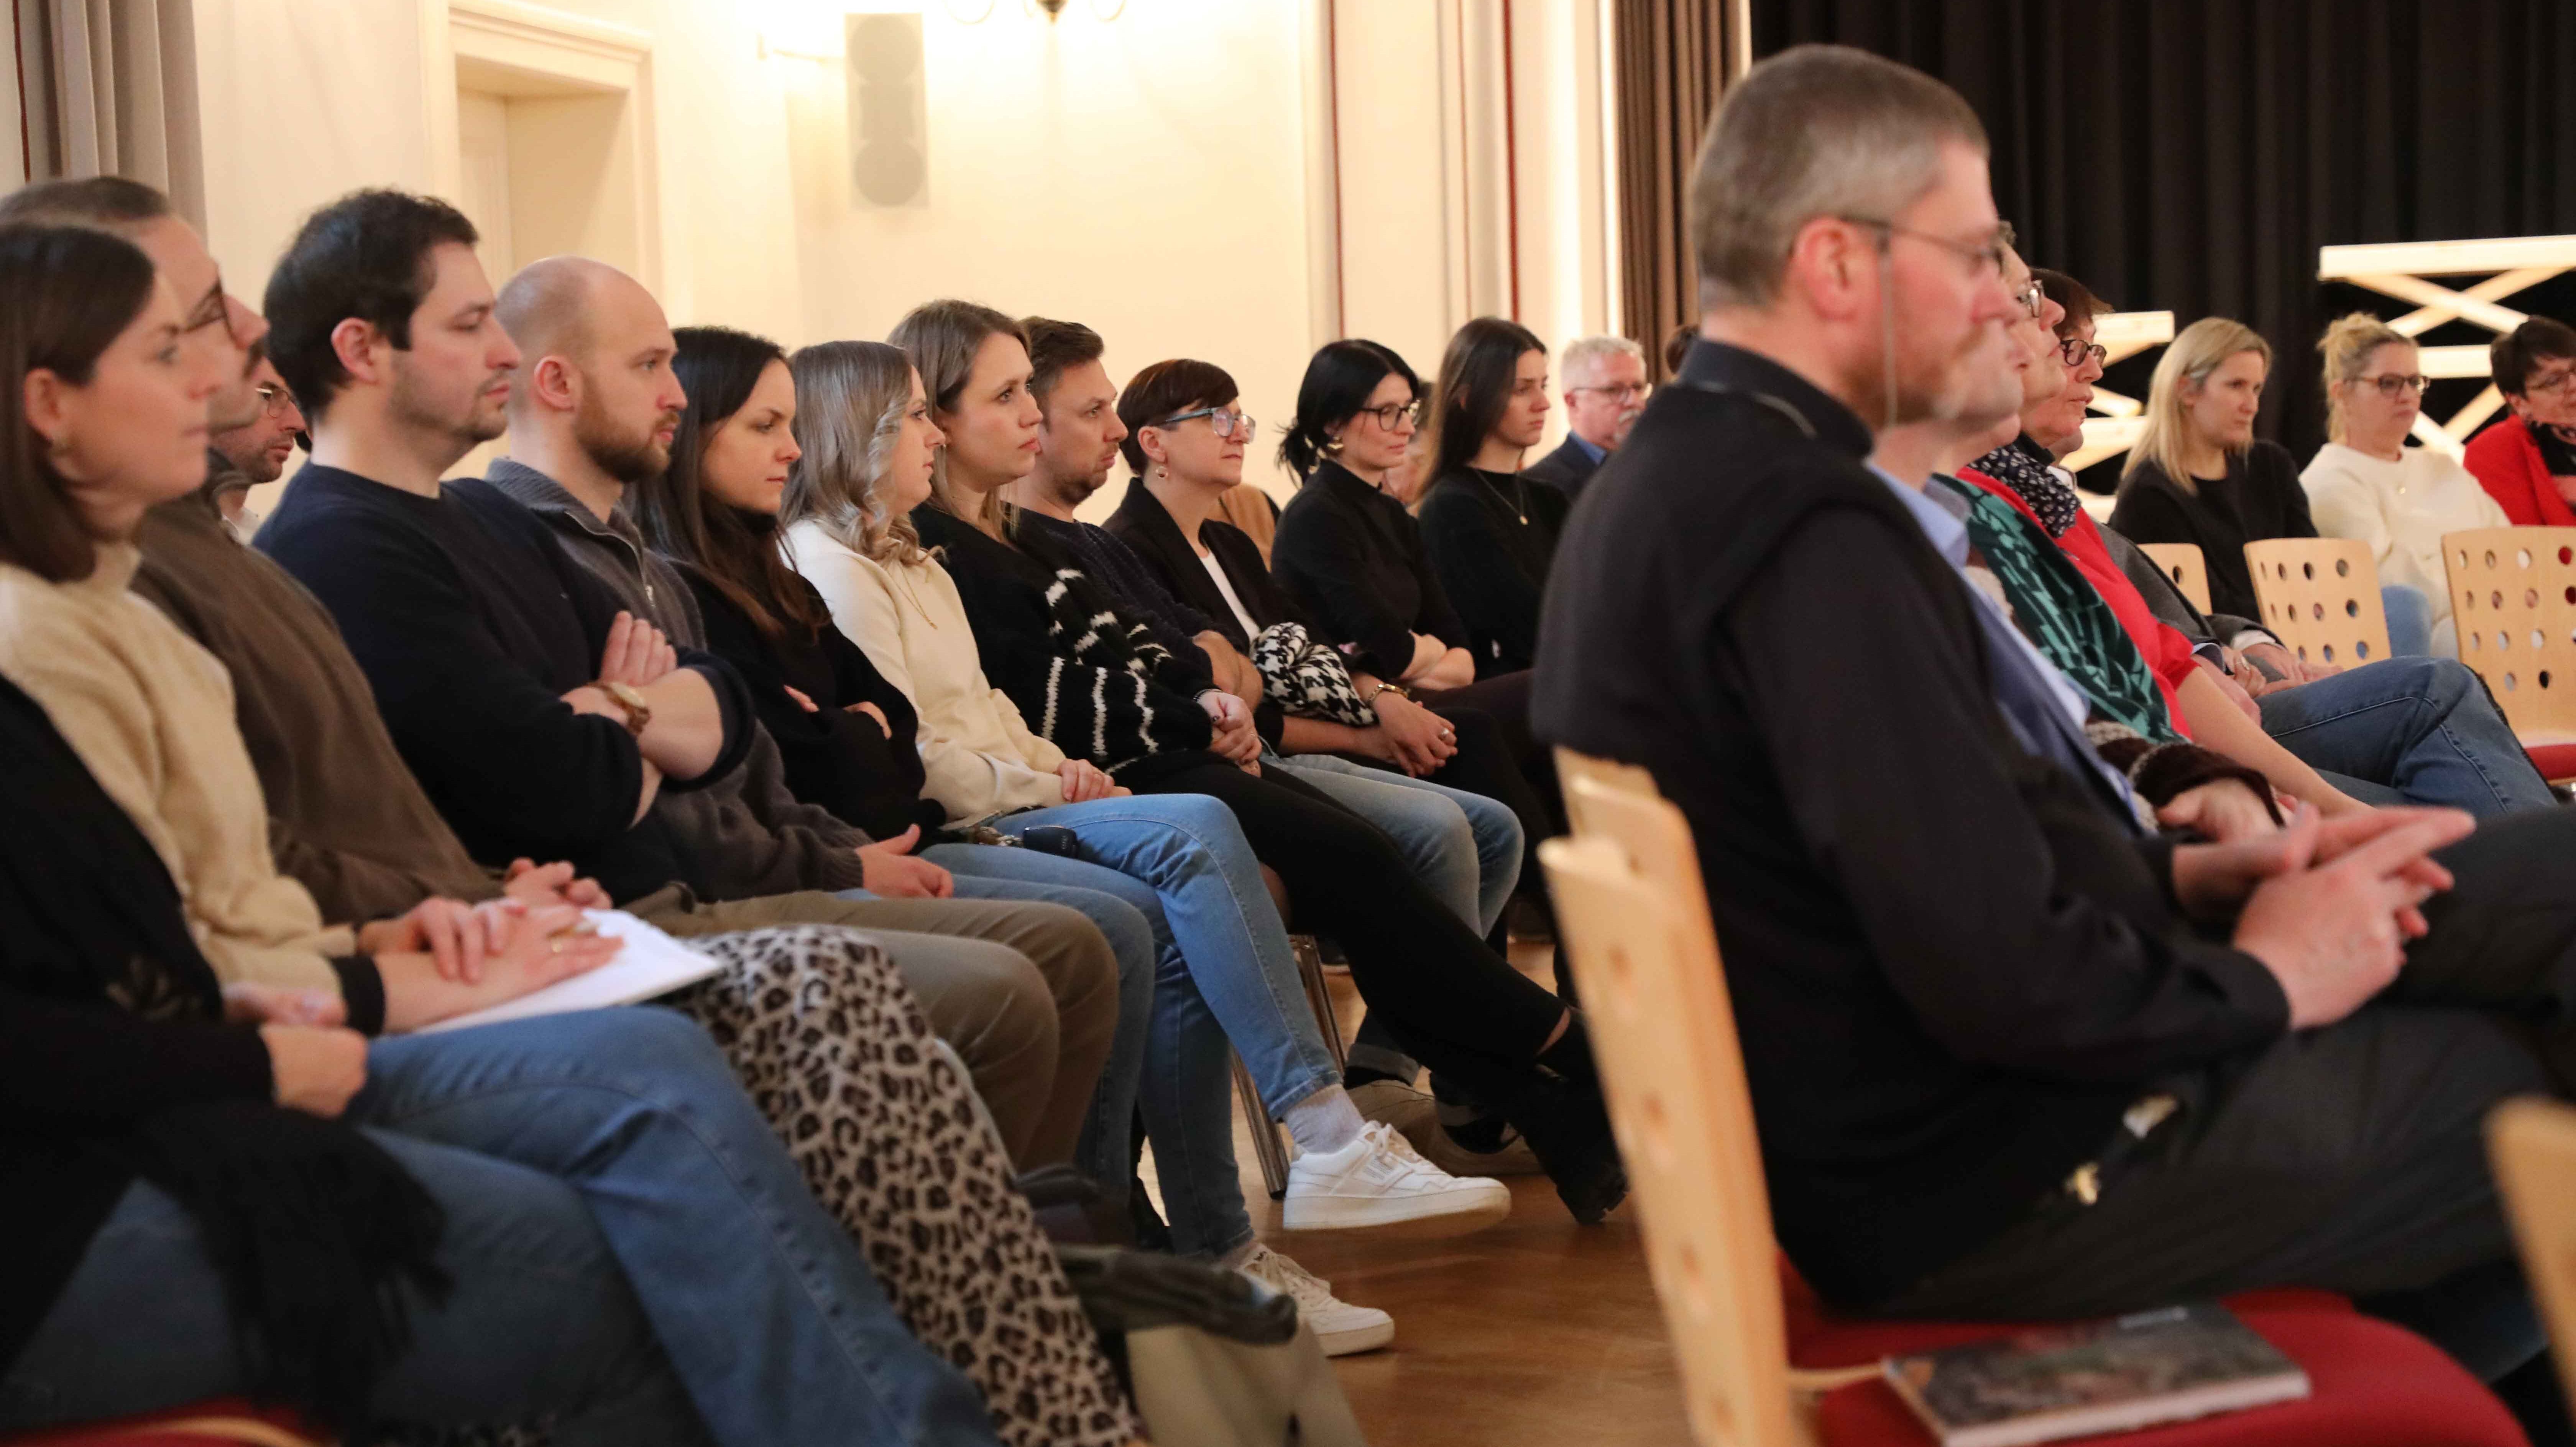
<point>151,714</point>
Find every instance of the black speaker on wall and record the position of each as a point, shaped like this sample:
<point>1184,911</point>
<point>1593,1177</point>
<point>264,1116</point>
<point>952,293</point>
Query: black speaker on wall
<point>889,110</point>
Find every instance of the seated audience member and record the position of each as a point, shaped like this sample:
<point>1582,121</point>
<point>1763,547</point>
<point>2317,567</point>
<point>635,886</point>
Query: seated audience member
<point>2527,462</point>
<point>1226,972</point>
<point>1093,683</point>
<point>2366,483</point>
<point>1605,389</point>
<point>472,626</point>
<point>2412,730</point>
<point>1488,529</point>
<point>256,451</point>
<point>2010,1054</point>
<point>2199,475</point>
<point>149,844</point>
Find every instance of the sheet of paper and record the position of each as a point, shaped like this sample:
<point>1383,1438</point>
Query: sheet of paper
<point>651,965</point>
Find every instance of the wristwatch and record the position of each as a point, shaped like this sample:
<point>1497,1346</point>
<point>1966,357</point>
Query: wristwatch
<point>1399,690</point>
<point>638,712</point>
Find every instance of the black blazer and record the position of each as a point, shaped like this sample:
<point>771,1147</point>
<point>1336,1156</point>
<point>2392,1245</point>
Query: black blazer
<point>1953,967</point>
<point>1145,525</point>
<point>1566,469</point>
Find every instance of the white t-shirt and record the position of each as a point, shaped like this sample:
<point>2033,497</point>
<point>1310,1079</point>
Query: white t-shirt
<point>2401,509</point>
<point>1251,630</point>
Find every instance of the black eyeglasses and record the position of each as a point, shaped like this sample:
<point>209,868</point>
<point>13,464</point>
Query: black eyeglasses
<point>2076,349</point>
<point>2395,384</point>
<point>1393,414</point>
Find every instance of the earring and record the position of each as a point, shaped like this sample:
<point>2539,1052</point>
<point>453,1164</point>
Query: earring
<point>1162,473</point>
<point>1332,446</point>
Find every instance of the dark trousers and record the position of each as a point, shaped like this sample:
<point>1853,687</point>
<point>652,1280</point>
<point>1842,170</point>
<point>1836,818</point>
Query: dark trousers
<point>1453,1003</point>
<point>2347,1157</point>
<point>1534,793</point>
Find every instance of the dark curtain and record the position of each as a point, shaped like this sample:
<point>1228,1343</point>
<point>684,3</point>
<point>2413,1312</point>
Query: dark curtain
<point>1671,57</point>
<point>2192,155</point>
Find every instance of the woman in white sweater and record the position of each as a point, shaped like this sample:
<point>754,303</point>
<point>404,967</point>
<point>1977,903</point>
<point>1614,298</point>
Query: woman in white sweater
<point>1227,971</point>
<point>2368,484</point>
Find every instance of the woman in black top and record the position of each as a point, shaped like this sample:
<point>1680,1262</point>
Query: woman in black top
<point>1490,532</point>
<point>1090,679</point>
<point>2197,474</point>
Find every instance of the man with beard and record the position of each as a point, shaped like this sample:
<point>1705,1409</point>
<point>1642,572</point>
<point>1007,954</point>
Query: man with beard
<point>543,721</point>
<point>256,451</point>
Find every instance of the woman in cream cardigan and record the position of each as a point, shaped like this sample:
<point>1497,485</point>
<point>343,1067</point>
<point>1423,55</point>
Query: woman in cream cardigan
<point>742,1274</point>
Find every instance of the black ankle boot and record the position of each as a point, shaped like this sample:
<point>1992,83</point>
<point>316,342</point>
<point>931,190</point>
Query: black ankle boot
<point>1559,1110</point>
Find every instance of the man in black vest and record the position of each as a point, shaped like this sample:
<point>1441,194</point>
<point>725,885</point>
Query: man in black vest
<point>2012,1053</point>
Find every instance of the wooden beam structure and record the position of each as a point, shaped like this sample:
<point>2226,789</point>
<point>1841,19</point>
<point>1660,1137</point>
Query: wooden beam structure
<point>2403,270</point>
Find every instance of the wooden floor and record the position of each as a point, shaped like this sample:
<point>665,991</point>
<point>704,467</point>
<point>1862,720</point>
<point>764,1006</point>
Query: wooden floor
<point>1536,1331</point>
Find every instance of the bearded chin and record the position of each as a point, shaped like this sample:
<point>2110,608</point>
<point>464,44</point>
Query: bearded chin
<point>628,459</point>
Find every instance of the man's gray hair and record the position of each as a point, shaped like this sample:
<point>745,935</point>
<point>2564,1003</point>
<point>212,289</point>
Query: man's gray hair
<point>1817,130</point>
<point>1583,356</point>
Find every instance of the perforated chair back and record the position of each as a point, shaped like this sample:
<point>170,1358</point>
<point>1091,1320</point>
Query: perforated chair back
<point>2321,595</point>
<point>1646,959</point>
<point>2533,1145</point>
<point>2513,599</point>
<point>2183,563</point>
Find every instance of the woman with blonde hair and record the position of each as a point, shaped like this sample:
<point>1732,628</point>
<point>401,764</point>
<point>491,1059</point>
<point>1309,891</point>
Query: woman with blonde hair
<point>2199,475</point>
<point>2366,483</point>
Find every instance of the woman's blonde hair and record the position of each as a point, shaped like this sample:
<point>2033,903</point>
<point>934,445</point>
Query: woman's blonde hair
<point>942,338</point>
<point>2346,347</point>
<point>851,398</point>
<point>2201,349</point>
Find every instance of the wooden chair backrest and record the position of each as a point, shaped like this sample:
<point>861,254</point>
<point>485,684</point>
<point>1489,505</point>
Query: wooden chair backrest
<point>2533,1146</point>
<point>1645,955</point>
<point>2183,563</point>
<point>2321,595</point>
<point>2513,599</point>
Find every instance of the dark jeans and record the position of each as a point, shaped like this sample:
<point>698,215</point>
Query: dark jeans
<point>1538,799</point>
<point>1453,1003</point>
<point>2348,1157</point>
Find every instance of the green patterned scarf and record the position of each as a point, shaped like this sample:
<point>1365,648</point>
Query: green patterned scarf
<point>2060,612</point>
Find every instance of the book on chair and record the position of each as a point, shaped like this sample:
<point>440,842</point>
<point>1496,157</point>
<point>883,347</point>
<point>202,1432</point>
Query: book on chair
<point>2133,1371</point>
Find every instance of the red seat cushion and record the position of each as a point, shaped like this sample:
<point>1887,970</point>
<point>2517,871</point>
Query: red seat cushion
<point>154,1429</point>
<point>2375,1385</point>
<point>1818,1339</point>
<point>2554,761</point>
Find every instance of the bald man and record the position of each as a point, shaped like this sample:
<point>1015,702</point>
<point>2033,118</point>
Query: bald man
<point>593,407</point>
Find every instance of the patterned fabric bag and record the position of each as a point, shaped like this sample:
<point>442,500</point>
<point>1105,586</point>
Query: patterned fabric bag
<point>1306,679</point>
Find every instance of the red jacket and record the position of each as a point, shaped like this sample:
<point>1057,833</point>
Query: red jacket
<point>2505,459</point>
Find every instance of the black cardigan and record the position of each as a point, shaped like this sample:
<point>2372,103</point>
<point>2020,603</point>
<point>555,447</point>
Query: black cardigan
<point>1953,968</point>
<point>2259,498</point>
<point>1352,557</point>
<point>471,624</point>
<point>1491,537</point>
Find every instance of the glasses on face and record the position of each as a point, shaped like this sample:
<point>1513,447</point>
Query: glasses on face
<point>2075,350</point>
<point>1394,414</point>
<point>2396,384</point>
<point>1626,392</point>
<point>2550,381</point>
<point>273,398</point>
<point>2033,297</point>
<point>1226,423</point>
<point>1981,256</point>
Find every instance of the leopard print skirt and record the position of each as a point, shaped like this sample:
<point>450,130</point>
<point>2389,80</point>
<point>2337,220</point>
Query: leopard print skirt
<point>832,1047</point>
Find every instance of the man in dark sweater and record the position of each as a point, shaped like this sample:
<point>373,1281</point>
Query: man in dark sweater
<point>479,635</point>
<point>2010,1056</point>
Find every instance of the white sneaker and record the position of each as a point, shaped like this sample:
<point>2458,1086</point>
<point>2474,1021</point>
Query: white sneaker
<point>1341,1327</point>
<point>1379,1180</point>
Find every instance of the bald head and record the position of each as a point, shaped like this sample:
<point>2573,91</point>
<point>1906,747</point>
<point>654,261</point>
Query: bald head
<point>595,387</point>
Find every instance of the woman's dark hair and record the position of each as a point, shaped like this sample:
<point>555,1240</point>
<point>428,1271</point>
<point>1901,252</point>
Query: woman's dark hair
<point>1338,382</point>
<point>2513,357</point>
<point>66,293</point>
<point>2078,300</point>
<point>1475,387</point>
<point>365,255</point>
<point>733,549</point>
<point>1676,347</point>
<point>1165,388</point>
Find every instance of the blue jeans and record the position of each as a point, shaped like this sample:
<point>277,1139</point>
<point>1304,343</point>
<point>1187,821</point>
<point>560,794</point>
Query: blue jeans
<point>566,1150</point>
<point>1428,835</point>
<point>1223,972</point>
<point>2410,621</point>
<point>2422,728</point>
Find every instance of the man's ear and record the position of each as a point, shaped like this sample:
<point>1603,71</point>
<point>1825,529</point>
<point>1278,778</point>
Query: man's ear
<point>361,349</point>
<point>554,382</point>
<point>1833,266</point>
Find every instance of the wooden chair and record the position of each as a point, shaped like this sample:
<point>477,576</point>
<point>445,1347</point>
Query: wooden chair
<point>1631,901</point>
<point>1269,1139</point>
<point>2321,596</point>
<point>2183,563</point>
<point>2513,599</point>
<point>2533,1145</point>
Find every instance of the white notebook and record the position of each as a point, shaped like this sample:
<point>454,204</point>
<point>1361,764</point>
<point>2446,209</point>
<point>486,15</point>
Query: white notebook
<point>651,965</point>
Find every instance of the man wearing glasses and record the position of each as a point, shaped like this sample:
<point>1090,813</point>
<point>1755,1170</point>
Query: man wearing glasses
<point>256,451</point>
<point>1605,389</point>
<point>2527,463</point>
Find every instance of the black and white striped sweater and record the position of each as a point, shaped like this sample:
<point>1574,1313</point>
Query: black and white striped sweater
<point>1087,678</point>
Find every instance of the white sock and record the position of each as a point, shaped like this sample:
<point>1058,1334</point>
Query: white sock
<point>1324,1122</point>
